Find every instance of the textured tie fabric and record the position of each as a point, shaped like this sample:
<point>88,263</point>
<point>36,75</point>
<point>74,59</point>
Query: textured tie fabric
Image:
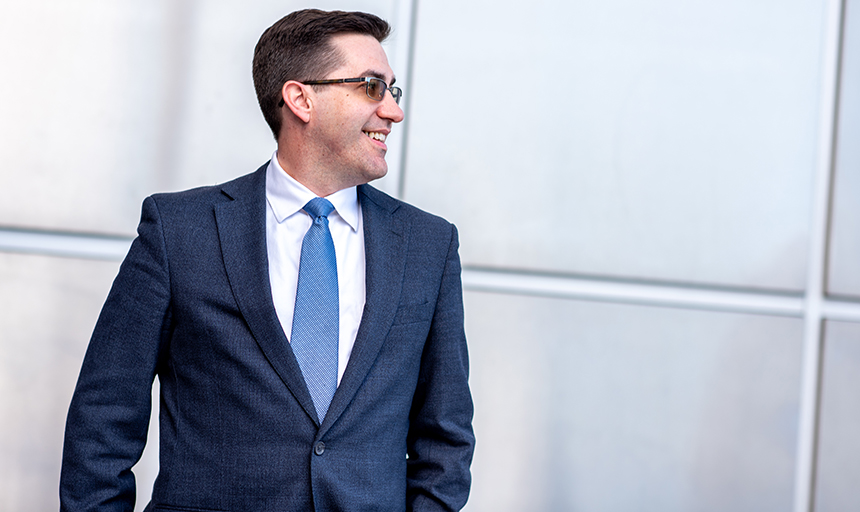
<point>316,317</point>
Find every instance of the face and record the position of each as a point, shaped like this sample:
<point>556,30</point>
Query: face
<point>350,128</point>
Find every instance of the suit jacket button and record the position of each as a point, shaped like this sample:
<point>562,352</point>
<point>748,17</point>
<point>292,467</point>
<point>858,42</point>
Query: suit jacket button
<point>319,448</point>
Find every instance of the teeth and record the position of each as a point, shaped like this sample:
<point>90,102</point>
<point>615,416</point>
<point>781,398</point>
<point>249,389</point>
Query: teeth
<point>376,135</point>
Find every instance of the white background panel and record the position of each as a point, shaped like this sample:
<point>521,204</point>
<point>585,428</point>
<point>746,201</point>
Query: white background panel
<point>844,278</point>
<point>601,407</point>
<point>48,308</point>
<point>104,103</point>
<point>663,140</point>
<point>839,446</point>
<point>82,93</point>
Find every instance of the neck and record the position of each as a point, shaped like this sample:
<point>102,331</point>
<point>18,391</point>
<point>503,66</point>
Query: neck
<point>298,166</point>
<point>296,163</point>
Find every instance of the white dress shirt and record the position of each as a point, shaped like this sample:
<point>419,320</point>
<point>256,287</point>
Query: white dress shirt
<point>286,225</point>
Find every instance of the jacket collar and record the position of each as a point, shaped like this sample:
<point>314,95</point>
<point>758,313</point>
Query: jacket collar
<point>241,223</point>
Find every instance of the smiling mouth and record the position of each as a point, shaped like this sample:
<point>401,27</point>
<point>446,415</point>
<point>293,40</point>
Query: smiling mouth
<point>376,136</point>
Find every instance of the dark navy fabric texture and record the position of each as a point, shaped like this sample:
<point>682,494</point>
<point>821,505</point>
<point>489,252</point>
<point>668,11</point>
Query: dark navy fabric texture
<point>192,305</point>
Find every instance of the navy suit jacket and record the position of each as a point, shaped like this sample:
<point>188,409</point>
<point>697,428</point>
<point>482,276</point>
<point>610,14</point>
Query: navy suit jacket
<point>192,304</point>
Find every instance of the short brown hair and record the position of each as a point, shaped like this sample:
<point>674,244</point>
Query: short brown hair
<point>298,47</point>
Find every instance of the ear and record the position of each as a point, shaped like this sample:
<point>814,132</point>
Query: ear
<point>297,97</point>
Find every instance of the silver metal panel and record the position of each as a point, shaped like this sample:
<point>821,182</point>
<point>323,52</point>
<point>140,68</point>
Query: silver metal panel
<point>814,300</point>
<point>70,245</point>
<point>662,140</point>
<point>48,307</point>
<point>107,103</point>
<point>83,84</point>
<point>844,277</point>
<point>839,443</point>
<point>588,406</point>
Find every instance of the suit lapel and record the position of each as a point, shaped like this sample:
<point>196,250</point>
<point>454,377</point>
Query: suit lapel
<point>242,232</point>
<point>385,259</point>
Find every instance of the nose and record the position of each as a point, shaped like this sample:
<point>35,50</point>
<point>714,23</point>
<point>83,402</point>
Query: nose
<point>389,109</point>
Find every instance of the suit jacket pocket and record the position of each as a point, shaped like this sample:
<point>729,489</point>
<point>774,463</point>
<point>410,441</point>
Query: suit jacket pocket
<point>413,313</point>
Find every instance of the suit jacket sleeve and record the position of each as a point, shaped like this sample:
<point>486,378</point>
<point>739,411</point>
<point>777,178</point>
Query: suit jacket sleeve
<point>109,415</point>
<point>440,442</point>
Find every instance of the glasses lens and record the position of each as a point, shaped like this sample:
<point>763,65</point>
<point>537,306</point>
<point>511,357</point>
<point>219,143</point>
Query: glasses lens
<point>396,93</point>
<point>376,89</point>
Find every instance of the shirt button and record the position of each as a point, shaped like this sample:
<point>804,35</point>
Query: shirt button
<point>319,448</point>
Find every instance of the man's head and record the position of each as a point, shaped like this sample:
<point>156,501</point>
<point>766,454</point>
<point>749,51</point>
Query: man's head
<point>323,80</point>
<point>299,47</point>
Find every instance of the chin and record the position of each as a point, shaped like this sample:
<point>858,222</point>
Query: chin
<point>375,174</point>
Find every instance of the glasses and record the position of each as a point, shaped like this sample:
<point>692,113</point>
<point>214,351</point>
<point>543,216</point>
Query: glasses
<point>374,87</point>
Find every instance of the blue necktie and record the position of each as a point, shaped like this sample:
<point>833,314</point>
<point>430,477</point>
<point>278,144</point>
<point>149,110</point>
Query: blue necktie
<point>316,318</point>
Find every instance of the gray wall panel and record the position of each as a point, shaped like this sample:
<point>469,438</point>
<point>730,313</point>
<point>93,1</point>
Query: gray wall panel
<point>105,103</point>
<point>844,278</point>
<point>82,87</point>
<point>48,307</point>
<point>839,446</point>
<point>588,406</point>
<point>660,140</point>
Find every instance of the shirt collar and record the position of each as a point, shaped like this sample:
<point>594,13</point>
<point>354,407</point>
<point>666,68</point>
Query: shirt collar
<point>287,196</point>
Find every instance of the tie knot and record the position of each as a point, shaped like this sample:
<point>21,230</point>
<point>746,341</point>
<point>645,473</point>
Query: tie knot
<point>319,207</point>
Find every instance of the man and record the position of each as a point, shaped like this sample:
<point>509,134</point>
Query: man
<point>306,329</point>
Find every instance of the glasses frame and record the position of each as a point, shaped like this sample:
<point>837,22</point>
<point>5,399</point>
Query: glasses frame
<point>396,92</point>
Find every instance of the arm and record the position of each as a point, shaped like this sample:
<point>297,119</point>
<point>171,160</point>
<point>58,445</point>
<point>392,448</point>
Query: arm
<point>108,418</point>
<point>441,441</point>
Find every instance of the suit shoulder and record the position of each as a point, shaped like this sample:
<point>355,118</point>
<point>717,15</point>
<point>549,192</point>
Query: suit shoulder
<point>402,209</point>
<point>207,196</point>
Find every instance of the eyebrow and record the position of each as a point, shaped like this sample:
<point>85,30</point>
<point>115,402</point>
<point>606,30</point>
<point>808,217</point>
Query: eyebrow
<point>377,74</point>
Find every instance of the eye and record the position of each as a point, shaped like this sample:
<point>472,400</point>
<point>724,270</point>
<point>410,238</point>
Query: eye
<point>374,88</point>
